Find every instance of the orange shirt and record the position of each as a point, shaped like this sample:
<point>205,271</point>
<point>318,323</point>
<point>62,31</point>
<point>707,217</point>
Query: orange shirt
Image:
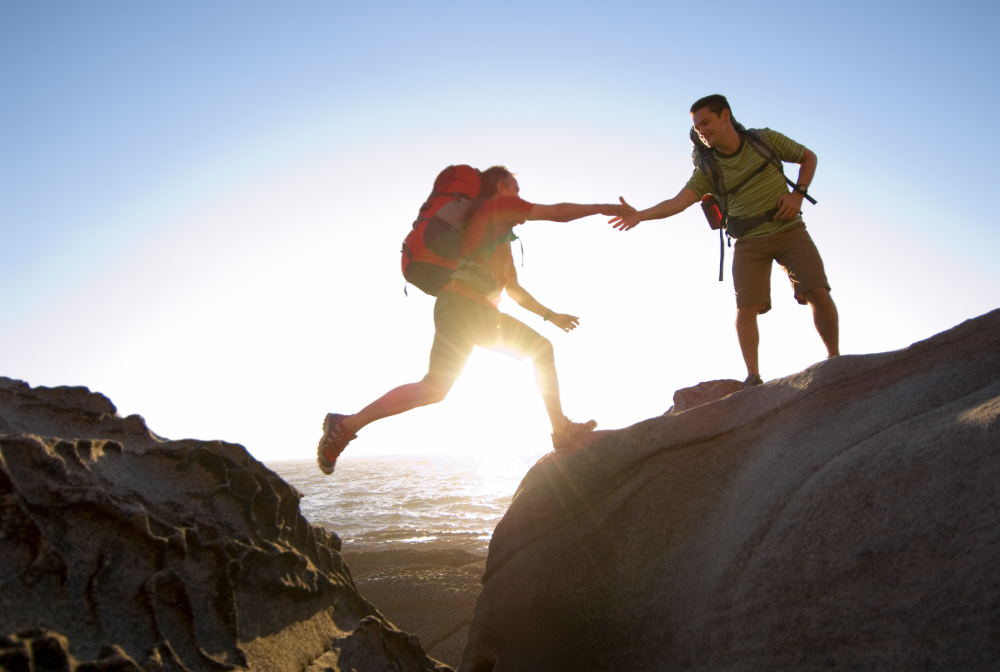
<point>494,220</point>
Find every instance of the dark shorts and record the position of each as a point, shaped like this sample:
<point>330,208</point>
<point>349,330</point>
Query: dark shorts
<point>793,249</point>
<point>460,324</point>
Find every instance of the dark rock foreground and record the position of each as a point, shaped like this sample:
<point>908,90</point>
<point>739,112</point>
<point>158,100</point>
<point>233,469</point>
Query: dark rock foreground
<point>120,550</point>
<point>847,517</point>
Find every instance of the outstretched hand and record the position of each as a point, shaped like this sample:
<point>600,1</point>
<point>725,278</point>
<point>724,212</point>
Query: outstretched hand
<point>565,322</point>
<point>626,220</point>
<point>616,210</point>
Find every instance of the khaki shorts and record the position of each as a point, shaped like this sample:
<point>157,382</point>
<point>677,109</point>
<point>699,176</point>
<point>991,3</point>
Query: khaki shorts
<point>460,324</point>
<point>793,249</point>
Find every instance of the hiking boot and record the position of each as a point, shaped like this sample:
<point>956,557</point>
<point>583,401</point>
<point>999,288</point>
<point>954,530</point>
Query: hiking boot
<point>335,439</point>
<point>753,380</point>
<point>562,440</point>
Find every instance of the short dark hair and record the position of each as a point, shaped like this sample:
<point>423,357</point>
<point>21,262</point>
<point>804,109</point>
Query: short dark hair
<point>493,176</point>
<point>715,103</point>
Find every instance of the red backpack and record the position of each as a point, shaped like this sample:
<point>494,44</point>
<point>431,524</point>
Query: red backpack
<point>430,250</point>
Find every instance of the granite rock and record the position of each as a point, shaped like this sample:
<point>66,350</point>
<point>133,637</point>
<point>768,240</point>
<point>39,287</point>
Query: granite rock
<point>703,393</point>
<point>846,517</point>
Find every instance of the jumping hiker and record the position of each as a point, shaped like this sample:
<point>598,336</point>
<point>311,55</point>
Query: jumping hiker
<point>466,315</point>
<point>740,173</point>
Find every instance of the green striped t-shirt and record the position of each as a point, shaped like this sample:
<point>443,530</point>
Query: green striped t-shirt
<point>761,193</point>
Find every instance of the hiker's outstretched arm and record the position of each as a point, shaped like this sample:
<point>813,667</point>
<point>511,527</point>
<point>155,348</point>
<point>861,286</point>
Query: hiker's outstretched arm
<point>790,205</point>
<point>679,203</point>
<point>528,302</point>
<point>567,212</point>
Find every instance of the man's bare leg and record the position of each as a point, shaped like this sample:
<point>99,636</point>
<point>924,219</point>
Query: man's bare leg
<point>825,318</point>
<point>544,360</point>
<point>403,398</point>
<point>749,336</point>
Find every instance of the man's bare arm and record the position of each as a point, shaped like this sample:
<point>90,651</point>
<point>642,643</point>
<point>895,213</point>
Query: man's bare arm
<point>567,212</point>
<point>528,302</point>
<point>679,203</point>
<point>790,205</point>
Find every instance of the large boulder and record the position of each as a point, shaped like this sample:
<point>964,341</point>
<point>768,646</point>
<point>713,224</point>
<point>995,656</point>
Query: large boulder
<point>846,517</point>
<point>120,550</point>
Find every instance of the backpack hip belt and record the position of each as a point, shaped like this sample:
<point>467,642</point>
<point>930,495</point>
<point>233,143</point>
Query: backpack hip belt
<point>478,276</point>
<point>741,226</point>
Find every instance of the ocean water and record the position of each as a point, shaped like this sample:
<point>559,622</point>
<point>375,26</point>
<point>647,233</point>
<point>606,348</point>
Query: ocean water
<point>427,501</point>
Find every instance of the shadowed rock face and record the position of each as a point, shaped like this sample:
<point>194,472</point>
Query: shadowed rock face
<point>846,517</point>
<point>120,550</point>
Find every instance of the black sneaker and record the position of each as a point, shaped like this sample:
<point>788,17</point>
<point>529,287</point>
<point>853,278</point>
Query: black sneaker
<point>753,380</point>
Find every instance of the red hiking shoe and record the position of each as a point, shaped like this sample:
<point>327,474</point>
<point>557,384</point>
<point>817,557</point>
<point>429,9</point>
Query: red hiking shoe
<point>335,439</point>
<point>562,440</point>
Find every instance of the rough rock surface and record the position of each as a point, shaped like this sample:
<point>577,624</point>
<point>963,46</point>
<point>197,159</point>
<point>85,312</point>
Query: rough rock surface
<point>703,393</point>
<point>120,550</point>
<point>846,517</point>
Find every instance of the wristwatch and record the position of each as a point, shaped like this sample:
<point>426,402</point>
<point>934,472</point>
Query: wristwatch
<point>802,189</point>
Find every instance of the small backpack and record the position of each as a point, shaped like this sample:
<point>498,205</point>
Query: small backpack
<point>714,204</point>
<point>430,251</point>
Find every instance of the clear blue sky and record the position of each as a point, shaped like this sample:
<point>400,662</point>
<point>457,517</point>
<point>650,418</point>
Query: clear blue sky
<point>201,203</point>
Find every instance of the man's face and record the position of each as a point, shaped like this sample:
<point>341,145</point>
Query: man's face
<point>710,125</point>
<point>509,187</point>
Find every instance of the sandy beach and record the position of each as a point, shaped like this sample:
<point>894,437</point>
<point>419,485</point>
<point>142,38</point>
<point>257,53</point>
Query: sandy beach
<point>427,592</point>
<point>415,533</point>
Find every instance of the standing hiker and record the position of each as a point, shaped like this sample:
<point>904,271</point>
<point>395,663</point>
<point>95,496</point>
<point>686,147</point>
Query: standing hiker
<point>739,174</point>
<point>466,315</point>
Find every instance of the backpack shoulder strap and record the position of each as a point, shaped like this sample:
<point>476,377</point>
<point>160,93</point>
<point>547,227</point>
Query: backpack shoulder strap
<point>710,167</point>
<point>756,139</point>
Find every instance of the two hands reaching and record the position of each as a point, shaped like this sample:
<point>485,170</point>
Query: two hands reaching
<point>625,218</point>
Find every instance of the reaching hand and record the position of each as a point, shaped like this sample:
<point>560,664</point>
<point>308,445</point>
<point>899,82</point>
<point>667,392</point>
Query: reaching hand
<point>615,210</point>
<point>565,322</point>
<point>789,205</point>
<point>625,209</point>
<point>627,219</point>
